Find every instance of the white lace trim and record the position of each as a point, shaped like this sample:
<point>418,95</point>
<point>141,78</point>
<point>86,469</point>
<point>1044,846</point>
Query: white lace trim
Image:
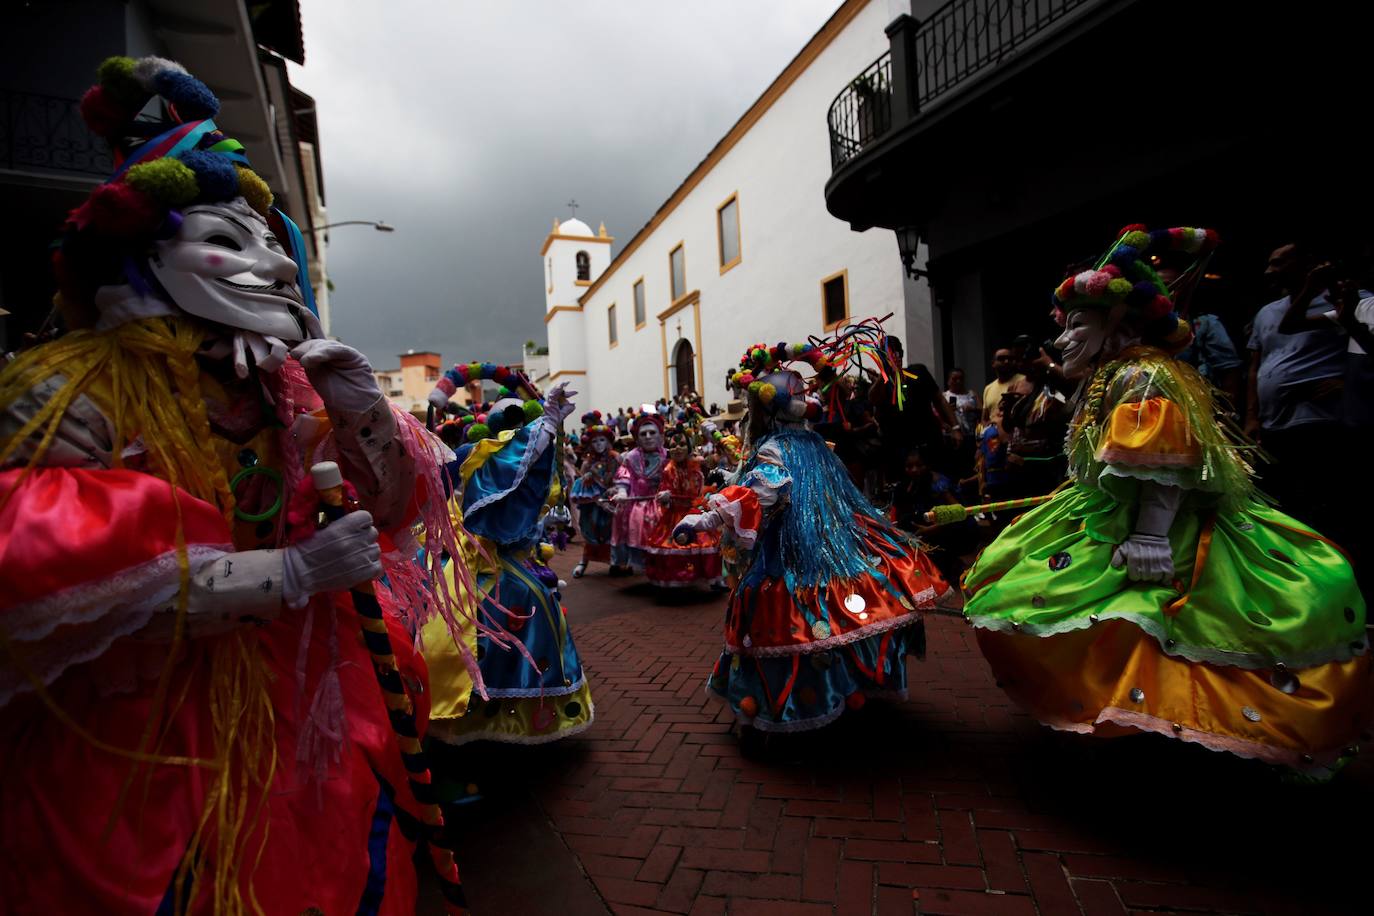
<point>924,599</point>
<point>48,647</point>
<point>533,452</point>
<point>527,693</point>
<point>1319,766</point>
<point>1203,654</point>
<point>441,730</point>
<point>150,582</point>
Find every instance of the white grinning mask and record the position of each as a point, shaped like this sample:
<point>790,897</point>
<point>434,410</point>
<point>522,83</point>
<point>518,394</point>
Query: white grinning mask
<point>649,438</point>
<point>1085,334</point>
<point>599,445</point>
<point>225,265</point>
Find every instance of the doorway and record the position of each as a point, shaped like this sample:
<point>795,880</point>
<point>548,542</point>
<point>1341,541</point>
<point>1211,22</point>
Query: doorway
<point>684,370</point>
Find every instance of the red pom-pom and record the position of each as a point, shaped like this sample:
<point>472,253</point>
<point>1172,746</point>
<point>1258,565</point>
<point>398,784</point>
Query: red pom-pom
<point>855,700</point>
<point>102,114</point>
<point>120,210</point>
<point>1160,307</point>
<point>1133,227</point>
<point>1213,240</point>
<point>749,706</point>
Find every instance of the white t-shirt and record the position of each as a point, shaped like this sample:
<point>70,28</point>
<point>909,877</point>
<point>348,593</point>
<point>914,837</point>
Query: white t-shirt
<point>1364,314</point>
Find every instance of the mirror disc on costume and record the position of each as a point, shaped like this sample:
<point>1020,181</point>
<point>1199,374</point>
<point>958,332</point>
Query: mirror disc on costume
<point>820,629</point>
<point>855,604</point>
<point>1061,560</point>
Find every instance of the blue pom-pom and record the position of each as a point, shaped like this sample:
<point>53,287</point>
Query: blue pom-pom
<point>193,99</point>
<point>488,370</point>
<point>215,175</point>
<point>1124,254</point>
<point>1141,293</point>
<point>1159,240</point>
<point>780,401</point>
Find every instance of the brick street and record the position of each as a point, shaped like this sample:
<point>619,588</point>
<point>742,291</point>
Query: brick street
<point>954,802</point>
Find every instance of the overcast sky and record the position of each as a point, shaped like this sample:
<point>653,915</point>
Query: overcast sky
<point>468,125</point>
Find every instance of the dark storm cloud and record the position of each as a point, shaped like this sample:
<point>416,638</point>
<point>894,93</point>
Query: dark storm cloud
<point>469,125</point>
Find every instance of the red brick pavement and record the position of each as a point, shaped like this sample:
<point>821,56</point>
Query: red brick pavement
<point>954,802</point>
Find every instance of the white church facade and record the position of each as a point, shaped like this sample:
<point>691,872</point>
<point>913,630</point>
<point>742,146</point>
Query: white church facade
<point>742,252</point>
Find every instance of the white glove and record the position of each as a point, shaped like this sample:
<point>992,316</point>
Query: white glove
<point>337,557</point>
<point>708,427</point>
<point>558,403</point>
<point>342,376</point>
<point>691,524</point>
<point>1147,558</point>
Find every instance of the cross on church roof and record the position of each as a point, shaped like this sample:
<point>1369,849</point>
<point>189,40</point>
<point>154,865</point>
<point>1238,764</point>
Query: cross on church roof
<point>573,205</point>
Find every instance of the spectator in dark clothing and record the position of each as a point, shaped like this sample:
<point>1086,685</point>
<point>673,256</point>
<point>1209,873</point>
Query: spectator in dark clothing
<point>920,490</point>
<point>1297,373</point>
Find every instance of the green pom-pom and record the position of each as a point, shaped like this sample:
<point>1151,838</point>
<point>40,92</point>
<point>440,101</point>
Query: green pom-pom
<point>168,181</point>
<point>798,349</point>
<point>116,76</point>
<point>1119,287</point>
<point>1137,239</point>
<point>533,410</point>
<point>474,371</point>
<point>755,386</point>
<point>478,431</point>
<point>503,392</point>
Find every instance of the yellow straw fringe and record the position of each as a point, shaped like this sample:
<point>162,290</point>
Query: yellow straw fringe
<point>145,377</point>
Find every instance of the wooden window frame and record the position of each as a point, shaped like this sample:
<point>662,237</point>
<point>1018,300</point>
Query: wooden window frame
<point>671,251</point>
<point>720,236</point>
<point>636,302</point>
<point>832,325</point>
<point>612,328</point>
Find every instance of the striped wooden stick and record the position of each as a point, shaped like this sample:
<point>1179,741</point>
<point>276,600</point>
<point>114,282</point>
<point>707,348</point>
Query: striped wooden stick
<point>328,483</point>
<point>953,512</point>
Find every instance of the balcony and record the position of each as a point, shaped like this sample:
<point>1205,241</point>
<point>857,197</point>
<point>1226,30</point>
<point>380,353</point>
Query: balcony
<point>931,68</point>
<point>43,133</point>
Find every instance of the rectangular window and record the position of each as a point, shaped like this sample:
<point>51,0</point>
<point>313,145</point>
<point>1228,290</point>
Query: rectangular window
<point>727,232</point>
<point>677,270</point>
<point>639,303</point>
<point>610,321</point>
<point>431,374</point>
<point>835,299</point>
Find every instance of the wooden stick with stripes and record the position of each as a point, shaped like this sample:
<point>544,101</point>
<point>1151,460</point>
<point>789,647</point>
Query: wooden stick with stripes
<point>334,504</point>
<point>953,512</point>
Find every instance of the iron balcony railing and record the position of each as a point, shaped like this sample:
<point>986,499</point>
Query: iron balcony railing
<point>862,112</point>
<point>959,41</point>
<point>46,133</point>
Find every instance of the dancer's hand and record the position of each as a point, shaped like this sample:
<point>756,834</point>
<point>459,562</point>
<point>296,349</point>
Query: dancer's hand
<point>558,404</point>
<point>340,374</point>
<point>337,557</point>
<point>1147,558</point>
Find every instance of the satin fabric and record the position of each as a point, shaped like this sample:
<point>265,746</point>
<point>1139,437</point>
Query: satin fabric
<point>512,490</point>
<point>806,638</point>
<point>667,563</point>
<point>1114,679</point>
<point>1152,433</point>
<point>57,791</point>
<point>59,513</point>
<point>635,520</point>
<point>1267,589</point>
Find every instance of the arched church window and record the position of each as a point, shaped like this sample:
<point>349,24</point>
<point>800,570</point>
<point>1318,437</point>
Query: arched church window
<point>584,266</point>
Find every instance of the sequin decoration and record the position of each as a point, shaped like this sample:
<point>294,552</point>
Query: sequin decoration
<point>820,630</point>
<point>572,710</point>
<point>1284,680</point>
<point>1061,560</point>
<point>1037,601</point>
<point>905,602</point>
<point>855,604</point>
<point>1250,713</point>
<point>1137,695</point>
<point>748,641</point>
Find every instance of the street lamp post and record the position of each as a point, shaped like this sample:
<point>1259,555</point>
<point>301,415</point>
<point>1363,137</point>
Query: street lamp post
<point>379,225</point>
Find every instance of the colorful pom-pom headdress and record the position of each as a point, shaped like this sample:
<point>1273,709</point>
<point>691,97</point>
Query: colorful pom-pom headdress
<point>162,166</point>
<point>1123,277</point>
<point>517,401</point>
<point>645,418</point>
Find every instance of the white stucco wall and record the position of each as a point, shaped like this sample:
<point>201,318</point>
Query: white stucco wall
<point>788,244</point>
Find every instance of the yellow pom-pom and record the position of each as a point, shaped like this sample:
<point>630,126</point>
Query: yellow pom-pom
<point>767,392</point>
<point>546,552</point>
<point>254,190</point>
<point>168,181</point>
